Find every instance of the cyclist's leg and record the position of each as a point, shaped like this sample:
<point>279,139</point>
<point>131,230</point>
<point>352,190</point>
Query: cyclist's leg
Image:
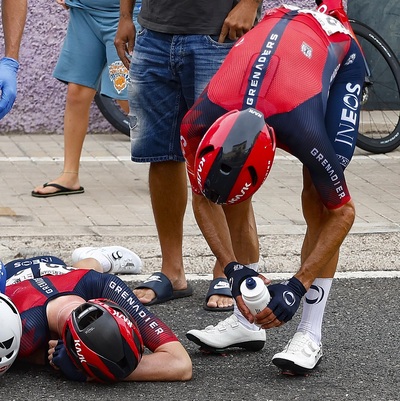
<point>344,103</point>
<point>244,239</point>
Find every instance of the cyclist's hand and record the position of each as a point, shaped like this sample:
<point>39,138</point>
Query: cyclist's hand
<point>125,40</point>
<point>59,359</point>
<point>236,273</point>
<point>285,298</point>
<point>8,84</point>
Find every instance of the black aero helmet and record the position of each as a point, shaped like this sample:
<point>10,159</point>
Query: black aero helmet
<point>235,156</point>
<point>103,340</point>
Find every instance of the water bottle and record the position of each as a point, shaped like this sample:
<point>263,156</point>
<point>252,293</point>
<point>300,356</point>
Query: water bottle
<point>255,294</point>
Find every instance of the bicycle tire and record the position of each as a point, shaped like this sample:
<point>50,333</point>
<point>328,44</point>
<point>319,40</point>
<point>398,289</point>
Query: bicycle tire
<point>379,128</point>
<point>111,111</point>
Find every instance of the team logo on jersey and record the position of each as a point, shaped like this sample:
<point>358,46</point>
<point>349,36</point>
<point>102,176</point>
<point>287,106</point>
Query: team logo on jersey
<point>22,275</point>
<point>118,75</point>
<point>351,59</point>
<point>306,50</point>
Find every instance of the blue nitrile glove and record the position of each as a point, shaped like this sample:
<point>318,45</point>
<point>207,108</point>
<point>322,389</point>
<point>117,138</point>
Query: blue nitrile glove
<point>8,84</point>
<point>63,362</point>
<point>3,277</point>
<point>285,298</point>
<point>236,273</point>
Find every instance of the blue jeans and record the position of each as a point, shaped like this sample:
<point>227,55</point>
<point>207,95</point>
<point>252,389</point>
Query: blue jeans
<point>167,74</point>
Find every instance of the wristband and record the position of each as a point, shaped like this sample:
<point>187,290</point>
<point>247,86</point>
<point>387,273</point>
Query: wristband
<point>237,273</point>
<point>296,286</point>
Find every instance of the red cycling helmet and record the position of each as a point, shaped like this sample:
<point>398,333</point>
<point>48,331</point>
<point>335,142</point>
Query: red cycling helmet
<point>235,156</point>
<point>103,339</point>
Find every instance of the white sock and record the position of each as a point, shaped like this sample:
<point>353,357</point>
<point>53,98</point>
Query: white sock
<point>314,307</point>
<point>238,314</point>
<point>253,266</point>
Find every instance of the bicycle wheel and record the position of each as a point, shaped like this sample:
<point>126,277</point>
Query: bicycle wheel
<point>379,130</point>
<point>113,113</point>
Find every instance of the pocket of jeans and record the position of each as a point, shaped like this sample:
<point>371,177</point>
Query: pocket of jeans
<point>141,32</point>
<point>214,39</point>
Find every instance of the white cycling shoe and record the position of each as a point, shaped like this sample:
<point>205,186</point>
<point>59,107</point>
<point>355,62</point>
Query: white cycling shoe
<point>122,260</point>
<point>300,356</point>
<point>226,334</point>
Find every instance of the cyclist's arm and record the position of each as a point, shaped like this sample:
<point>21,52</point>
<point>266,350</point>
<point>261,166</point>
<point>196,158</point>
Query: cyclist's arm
<point>169,362</point>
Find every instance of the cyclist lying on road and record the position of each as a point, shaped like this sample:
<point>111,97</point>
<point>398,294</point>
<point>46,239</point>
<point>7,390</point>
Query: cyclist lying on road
<point>88,324</point>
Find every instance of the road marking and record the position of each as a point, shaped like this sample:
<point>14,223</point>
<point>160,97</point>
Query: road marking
<point>281,276</point>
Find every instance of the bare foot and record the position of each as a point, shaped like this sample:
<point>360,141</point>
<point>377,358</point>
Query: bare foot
<point>220,301</point>
<point>145,295</point>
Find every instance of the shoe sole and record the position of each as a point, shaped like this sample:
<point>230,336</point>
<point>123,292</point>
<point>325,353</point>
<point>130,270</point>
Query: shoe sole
<point>252,346</point>
<point>290,368</point>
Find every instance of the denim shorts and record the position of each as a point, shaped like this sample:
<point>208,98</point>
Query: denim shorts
<point>167,73</point>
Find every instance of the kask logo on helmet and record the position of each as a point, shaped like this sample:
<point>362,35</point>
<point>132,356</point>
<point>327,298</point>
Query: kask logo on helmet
<point>242,193</point>
<point>121,316</point>
<point>78,349</point>
<point>199,171</point>
<point>234,157</point>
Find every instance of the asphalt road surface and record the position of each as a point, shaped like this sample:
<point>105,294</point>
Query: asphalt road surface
<point>361,357</point>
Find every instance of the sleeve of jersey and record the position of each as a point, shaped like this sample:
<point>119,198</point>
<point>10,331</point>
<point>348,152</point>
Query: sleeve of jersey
<point>153,330</point>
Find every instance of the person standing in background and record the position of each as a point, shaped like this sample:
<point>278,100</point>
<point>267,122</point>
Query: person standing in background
<point>181,46</point>
<point>88,62</point>
<point>13,20</point>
